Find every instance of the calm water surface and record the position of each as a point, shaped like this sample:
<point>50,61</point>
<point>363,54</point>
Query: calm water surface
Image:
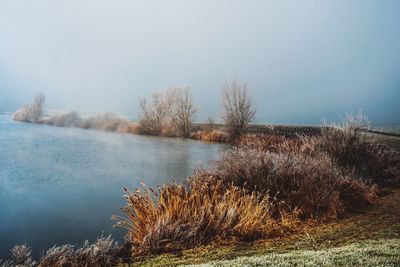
<point>62,185</point>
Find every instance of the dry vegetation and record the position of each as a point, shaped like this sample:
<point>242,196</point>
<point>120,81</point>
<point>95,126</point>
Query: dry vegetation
<point>261,188</point>
<point>104,252</point>
<point>212,135</point>
<point>265,186</point>
<point>177,217</point>
<point>32,112</point>
<point>168,114</point>
<point>238,110</point>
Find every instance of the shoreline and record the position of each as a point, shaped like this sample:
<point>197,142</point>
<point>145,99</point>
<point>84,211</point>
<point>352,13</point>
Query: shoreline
<point>256,158</point>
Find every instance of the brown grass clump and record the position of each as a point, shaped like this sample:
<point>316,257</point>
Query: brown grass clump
<point>212,135</point>
<point>178,217</point>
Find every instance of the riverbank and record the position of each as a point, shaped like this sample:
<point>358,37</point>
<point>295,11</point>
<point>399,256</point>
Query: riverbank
<point>368,239</point>
<point>267,189</point>
<point>214,132</point>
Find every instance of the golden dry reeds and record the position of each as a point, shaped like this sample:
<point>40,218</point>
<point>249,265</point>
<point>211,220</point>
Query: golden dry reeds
<point>177,216</point>
<point>212,135</point>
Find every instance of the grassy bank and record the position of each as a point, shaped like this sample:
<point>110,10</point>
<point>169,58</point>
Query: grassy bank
<point>368,239</point>
<point>384,252</point>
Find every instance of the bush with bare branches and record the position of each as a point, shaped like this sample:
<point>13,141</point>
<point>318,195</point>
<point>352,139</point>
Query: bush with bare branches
<point>106,122</point>
<point>182,110</point>
<point>32,112</point>
<point>64,119</point>
<point>153,114</point>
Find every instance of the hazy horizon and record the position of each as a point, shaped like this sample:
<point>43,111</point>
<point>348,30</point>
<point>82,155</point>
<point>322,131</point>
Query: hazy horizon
<point>303,61</point>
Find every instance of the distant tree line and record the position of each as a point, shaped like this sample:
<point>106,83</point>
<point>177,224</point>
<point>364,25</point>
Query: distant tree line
<point>169,113</point>
<point>175,111</point>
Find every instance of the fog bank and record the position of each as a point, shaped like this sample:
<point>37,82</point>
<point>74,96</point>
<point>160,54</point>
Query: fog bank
<point>302,60</point>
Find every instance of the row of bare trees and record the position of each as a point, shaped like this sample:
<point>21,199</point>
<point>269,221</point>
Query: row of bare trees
<point>174,110</point>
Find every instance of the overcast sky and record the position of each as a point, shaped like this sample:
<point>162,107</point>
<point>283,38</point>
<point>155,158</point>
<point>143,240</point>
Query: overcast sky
<point>302,60</point>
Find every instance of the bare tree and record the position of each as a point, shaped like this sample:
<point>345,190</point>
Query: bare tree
<point>182,110</point>
<point>153,114</point>
<point>238,110</point>
<point>32,112</point>
<point>38,107</point>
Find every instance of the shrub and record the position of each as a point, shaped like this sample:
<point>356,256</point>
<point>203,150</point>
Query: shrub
<point>178,217</point>
<point>32,112</point>
<point>307,182</point>
<point>355,194</point>
<point>106,122</point>
<point>213,135</point>
<point>64,119</point>
<point>357,151</point>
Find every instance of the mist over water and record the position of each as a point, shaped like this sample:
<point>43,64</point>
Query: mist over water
<point>62,185</point>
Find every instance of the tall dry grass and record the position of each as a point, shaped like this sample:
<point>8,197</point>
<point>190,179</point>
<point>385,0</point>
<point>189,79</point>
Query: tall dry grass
<point>308,184</point>
<point>212,135</point>
<point>178,216</point>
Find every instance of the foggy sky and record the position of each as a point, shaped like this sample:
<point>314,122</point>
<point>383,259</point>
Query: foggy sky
<point>302,60</point>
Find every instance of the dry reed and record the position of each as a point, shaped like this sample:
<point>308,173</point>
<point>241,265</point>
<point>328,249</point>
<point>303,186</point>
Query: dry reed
<point>180,216</point>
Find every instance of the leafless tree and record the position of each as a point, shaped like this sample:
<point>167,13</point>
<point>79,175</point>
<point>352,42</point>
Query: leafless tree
<point>238,110</point>
<point>182,110</point>
<point>38,107</point>
<point>153,114</point>
<point>32,112</point>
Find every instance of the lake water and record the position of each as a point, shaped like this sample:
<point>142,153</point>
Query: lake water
<point>62,185</point>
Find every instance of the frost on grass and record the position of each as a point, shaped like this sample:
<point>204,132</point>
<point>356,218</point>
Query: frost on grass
<point>369,253</point>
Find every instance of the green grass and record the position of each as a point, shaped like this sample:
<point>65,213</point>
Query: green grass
<point>385,252</point>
